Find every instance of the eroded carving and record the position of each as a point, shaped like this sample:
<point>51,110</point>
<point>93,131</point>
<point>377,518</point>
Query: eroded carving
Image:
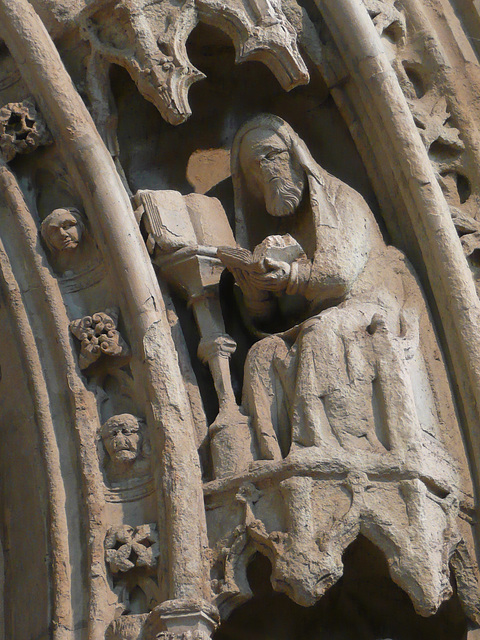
<point>339,435</point>
<point>420,74</point>
<point>63,232</point>
<point>185,635</point>
<point>323,516</point>
<point>332,386</point>
<point>388,20</point>
<point>98,336</point>
<point>180,233</point>
<point>149,41</point>
<point>126,627</point>
<point>319,380</point>
<point>432,117</point>
<point>260,31</point>
<point>126,448</point>
<point>131,554</point>
<point>22,129</point>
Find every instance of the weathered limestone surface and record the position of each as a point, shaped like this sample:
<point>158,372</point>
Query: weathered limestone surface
<point>239,290</point>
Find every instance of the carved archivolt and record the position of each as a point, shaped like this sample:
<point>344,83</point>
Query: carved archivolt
<point>346,424</point>
<point>422,75</point>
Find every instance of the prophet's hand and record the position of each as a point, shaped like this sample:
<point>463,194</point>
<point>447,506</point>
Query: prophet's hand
<point>276,277</point>
<point>244,280</point>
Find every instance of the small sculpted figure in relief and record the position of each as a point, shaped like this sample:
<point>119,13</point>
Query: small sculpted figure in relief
<point>341,308</point>
<point>126,448</point>
<point>63,232</point>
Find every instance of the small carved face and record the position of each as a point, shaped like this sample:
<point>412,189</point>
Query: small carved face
<point>62,230</point>
<point>122,440</point>
<point>271,169</point>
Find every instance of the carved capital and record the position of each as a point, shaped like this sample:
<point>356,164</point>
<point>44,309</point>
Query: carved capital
<point>181,620</point>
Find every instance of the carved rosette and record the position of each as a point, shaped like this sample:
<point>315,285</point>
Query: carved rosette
<point>98,336</point>
<point>131,554</point>
<point>22,129</point>
<point>127,548</point>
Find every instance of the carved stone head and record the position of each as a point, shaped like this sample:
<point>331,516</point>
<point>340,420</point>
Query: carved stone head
<point>271,169</point>
<point>124,442</point>
<point>62,230</point>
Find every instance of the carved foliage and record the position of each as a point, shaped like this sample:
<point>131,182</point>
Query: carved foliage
<point>22,129</point>
<point>419,77</point>
<point>98,337</point>
<point>127,548</point>
<point>131,554</point>
<point>388,20</point>
<point>149,40</point>
<point>321,522</point>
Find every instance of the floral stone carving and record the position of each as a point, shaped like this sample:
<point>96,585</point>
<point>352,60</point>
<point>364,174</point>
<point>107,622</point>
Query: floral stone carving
<point>98,337</point>
<point>22,129</point>
<point>127,547</point>
<point>131,554</point>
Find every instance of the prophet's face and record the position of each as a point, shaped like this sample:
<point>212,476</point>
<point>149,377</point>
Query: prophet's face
<point>122,441</point>
<point>63,231</point>
<point>271,169</point>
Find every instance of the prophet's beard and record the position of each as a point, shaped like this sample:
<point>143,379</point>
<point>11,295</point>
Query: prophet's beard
<point>283,196</point>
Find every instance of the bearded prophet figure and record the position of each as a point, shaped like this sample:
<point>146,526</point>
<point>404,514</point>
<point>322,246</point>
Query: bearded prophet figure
<point>338,378</point>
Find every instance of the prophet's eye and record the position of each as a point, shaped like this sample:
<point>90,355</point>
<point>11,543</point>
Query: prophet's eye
<point>271,155</point>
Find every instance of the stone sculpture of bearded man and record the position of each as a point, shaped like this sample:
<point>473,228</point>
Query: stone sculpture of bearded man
<point>345,310</point>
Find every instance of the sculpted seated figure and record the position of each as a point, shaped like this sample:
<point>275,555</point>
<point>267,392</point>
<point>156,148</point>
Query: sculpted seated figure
<point>344,306</point>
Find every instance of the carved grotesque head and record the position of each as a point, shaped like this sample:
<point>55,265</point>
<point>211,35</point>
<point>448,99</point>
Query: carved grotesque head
<point>272,170</point>
<point>122,437</point>
<point>62,230</point>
